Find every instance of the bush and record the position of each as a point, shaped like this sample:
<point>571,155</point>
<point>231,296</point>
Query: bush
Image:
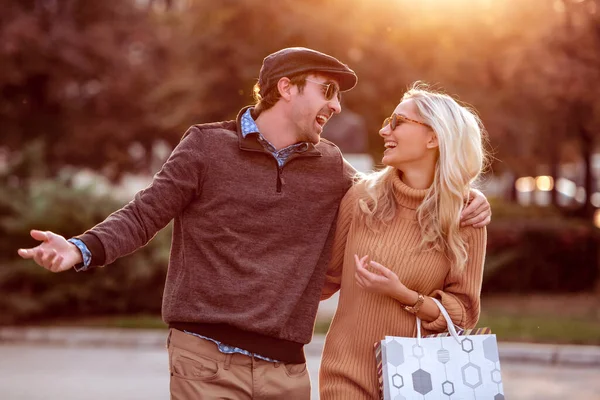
<point>132,284</point>
<point>534,249</point>
<point>529,250</point>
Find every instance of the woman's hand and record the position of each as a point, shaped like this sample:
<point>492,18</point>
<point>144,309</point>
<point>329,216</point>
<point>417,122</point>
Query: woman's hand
<point>379,280</point>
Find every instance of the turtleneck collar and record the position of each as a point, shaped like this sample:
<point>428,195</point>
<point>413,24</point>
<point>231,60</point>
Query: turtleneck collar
<point>407,196</point>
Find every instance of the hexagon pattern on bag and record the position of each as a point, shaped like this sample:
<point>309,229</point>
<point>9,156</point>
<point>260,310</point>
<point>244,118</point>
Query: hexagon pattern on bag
<point>439,367</point>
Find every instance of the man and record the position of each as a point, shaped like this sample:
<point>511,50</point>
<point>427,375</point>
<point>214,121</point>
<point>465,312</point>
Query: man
<point>254,202</point>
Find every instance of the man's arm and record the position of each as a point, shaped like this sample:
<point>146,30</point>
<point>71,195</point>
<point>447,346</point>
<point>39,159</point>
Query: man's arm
<point>131,227</point>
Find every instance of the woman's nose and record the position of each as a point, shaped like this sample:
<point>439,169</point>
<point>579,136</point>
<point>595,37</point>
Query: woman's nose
<point>385,130</point>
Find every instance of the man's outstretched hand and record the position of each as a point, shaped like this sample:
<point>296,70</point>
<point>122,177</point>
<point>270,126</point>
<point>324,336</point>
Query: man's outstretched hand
<point>55,253</point>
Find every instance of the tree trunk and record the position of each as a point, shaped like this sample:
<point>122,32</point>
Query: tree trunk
<point>513,190</point>
<point>588,183</point>
<point>554,172</point>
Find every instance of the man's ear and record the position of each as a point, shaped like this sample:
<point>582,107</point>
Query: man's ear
<point>284,85</point>
<point>432,142</point>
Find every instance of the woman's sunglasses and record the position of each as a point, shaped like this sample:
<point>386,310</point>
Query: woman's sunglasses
<point>395,120</point>
<point>330,89</point>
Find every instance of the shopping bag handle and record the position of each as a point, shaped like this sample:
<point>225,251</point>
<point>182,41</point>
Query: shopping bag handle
<point>449,322</point>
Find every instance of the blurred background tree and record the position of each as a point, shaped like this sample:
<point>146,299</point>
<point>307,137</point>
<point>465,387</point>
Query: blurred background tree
<point>104,86</point>
<point>76,75</point>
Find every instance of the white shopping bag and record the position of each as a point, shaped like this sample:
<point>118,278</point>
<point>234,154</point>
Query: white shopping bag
<point>440,367</point>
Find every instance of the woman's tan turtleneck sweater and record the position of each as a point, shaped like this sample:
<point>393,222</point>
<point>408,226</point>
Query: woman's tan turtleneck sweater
<point>348,367</point>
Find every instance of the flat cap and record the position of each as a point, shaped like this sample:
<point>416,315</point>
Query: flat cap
<point>296,60</point>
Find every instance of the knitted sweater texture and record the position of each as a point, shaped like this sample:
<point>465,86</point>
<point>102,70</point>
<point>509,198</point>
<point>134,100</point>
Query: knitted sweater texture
<point>348,368</point>
<point>251,240</point>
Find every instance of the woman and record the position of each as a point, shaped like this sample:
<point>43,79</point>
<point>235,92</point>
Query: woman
<point>399,242</point>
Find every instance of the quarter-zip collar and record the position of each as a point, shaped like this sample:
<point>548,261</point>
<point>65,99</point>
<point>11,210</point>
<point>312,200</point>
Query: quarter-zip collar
<point>250,143</point>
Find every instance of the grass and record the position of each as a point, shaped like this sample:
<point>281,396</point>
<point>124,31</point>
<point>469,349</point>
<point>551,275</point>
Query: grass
<point>119,321</point>
<point>538,329</point>
<point>573,319</point>
<point>543,329</point>
<point>566,319</point>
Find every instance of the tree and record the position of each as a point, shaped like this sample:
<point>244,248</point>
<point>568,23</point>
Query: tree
<point>581,83</point>
<point>555,86</point>
<point>75,76</point>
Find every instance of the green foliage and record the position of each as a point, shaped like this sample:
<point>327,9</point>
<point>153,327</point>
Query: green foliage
<point>535,249</point>
<point>504,210</point>
<point>84,80</point>
<point>132,284</point>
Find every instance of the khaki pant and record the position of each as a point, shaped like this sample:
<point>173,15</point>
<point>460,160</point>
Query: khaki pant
<point>200,371</point>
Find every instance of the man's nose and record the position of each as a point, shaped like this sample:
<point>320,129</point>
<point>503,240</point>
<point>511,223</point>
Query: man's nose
<point>335,105</point>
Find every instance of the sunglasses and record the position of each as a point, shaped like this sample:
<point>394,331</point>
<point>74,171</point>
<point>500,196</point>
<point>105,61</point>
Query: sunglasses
<point>396,119</point>
<point>329,89</point>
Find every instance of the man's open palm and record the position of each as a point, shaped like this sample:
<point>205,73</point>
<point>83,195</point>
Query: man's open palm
<point>55,253</point>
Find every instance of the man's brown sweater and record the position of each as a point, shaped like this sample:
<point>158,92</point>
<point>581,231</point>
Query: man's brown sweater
<point>251,241</point>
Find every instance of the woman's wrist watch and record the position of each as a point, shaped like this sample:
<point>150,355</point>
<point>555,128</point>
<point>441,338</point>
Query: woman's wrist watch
<point>414,309</point>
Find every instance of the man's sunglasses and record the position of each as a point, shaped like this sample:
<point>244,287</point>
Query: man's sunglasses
<point>330,89</point>
<point>395,120</point>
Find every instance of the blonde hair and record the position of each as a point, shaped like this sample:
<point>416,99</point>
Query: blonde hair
<point>460,160</point>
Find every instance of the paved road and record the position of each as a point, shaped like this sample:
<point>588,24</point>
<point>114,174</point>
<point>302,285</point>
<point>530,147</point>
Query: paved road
<point>36,372</point>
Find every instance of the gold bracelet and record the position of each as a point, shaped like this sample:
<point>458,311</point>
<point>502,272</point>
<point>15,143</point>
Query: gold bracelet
<point>414,309</point>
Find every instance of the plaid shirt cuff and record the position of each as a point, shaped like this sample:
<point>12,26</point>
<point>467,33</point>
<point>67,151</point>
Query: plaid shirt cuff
<point>85,254</point>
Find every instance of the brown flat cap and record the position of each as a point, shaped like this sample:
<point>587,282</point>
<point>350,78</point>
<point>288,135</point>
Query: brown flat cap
<point>295,60</point>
